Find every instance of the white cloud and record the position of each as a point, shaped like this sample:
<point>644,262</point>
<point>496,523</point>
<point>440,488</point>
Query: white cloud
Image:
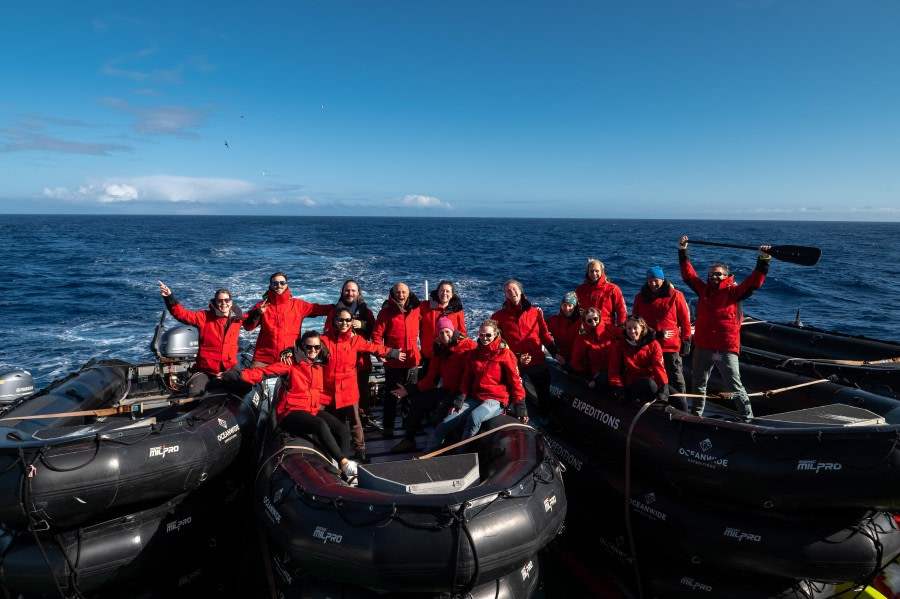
<point>163,120</point>
<point>157,188</point>
<point>419,201</point>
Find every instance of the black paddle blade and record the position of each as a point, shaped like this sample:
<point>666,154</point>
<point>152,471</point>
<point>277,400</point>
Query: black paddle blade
<point>796,254</point>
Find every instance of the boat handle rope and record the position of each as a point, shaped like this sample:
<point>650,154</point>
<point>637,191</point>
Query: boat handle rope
<point>769,393</point>
<point>881,362</point>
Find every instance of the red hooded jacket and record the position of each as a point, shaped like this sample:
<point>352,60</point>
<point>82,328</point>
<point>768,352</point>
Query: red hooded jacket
<point>340,372</point>
<point>628,363</point>
<point>430,312</point>
<point>666,311</point>
<point>591,351</point>
<point>367,320</point>
<point>565,330</point>
<point>280,323</point>
<point>719,312</point>
<point>396,327</point>
<point>218,335</point>
<point>605,296</point>
<point>448,365</point>
<point>302,389</point>
<point>492,373</point>
<point>523,328</point>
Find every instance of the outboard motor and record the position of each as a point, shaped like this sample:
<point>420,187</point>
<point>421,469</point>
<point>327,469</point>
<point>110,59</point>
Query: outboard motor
<point>182,341</point>
<point>15,383</point>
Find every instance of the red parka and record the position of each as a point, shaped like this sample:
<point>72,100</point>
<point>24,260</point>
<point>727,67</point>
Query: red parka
<point>448,365</point>
<point>492,373</point>
<point>218,334</point>
<point>399,327</point>
<point>591,351</point>
<point>280,323</point>
<point>523,328</point>
<point>360,310</point>
<point>340,373</point>
<point>719,312</point>
<point>430,312</point>
<point>628,363</point>
<point>565,330</point>
<point>605,296</point>
<point>666,311</point>
<point>302,388</point>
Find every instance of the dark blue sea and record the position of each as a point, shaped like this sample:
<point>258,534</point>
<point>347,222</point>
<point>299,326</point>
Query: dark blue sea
<point>80,287</point>
<point>74,288</point>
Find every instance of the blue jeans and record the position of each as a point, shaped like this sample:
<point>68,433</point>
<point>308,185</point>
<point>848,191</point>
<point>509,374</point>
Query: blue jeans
<point>472,414</point>
<point>727,364</point>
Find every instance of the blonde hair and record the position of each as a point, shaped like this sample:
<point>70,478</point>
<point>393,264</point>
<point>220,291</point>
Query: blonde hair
<point>591,262</point>
<point>641,322</point>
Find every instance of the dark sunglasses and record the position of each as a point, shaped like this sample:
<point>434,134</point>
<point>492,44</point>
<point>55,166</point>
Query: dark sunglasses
<point>717,274</point>
<point>343,320</point>
<point>278,283</point>
<point>591,320</point>
<point>220,300</point>
<point>312,347</point>
<point>486,335</point>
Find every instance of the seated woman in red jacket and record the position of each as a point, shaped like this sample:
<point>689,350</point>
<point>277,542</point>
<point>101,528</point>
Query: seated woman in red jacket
<point>489,384</point>
<point>636,369</point>
<point>299,407</point>
<point>590,355</point>
<point>219,327</point>
<point>565,325</point>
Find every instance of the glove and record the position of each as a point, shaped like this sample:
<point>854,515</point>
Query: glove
<point>232,376</point>
<point>521,410</point>
<point>685,347</point>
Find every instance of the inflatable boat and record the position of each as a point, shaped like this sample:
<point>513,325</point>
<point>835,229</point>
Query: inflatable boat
<point>456,523</point>
<point>847,359</point>
<point>819,446</point>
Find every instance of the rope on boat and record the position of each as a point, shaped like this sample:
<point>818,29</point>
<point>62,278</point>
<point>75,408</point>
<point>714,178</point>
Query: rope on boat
<point>879,362</point>
<point>475,438</point>
<point>771,392</point>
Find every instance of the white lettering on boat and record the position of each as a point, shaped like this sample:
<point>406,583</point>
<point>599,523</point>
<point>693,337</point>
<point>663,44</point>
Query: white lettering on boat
<point>737,533</point>
<point>271,510</point>
<point>188,578</point>
<point>643,508</point>
<point>595,413</point>
<point>815,466</point>
<point>526,570</point>
<point>564,454</point>
<point>177,524</point>
<point>282,571</point>
<point>163,450</point>
<point>617,549</point>
<point>695,584</point>
<point>21,389</point>
<point>701,457</point>
<point>325,535</point>
<point>549,503</point>
<point>228,434</point>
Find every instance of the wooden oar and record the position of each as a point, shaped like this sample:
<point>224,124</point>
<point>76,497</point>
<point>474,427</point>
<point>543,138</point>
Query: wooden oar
<point>795,254</point>
<point>123,409</point>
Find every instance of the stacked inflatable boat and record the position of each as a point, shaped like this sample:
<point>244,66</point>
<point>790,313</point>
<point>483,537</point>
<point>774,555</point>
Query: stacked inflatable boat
<point>110,475</point>
<point>799,498</point>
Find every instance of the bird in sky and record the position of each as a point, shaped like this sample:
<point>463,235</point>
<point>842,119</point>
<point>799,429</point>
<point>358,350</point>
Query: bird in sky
<point>226,143</point>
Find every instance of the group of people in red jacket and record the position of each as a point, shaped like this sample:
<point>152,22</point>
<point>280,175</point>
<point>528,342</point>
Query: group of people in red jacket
<point>634,356</point>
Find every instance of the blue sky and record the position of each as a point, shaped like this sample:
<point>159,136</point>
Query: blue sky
<point>670,109</point>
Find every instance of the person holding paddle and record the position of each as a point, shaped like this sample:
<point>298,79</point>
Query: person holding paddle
<point>717,335</point>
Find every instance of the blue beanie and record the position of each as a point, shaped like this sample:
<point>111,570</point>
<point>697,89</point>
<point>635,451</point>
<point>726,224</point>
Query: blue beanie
<point>655,272</point>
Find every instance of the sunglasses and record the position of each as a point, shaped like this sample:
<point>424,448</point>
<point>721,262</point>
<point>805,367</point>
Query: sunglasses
<point>312,347</point>
<point>343,320</point>
<point>591,320</point>
<point>278,283</point>
<point>717,274</point>
<point>486,335</point>
<point>219,300</point>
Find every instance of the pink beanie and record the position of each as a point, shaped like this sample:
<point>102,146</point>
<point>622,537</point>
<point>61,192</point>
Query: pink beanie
<point>444,323</point>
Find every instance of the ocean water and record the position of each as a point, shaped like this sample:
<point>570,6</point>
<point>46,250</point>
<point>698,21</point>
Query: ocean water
<point>80,287</point>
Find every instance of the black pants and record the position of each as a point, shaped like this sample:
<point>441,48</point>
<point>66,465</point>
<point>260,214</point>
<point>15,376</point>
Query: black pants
<point>646,389</point>
<point>674,370</point>
<point>422,404</point>
<point>331,432</point>
<point>392,378</point>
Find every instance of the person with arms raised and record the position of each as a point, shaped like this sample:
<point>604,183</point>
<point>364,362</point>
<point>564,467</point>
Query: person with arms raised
<point>219,328</point>
<point>717,327</point>
<point>280,318</point>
